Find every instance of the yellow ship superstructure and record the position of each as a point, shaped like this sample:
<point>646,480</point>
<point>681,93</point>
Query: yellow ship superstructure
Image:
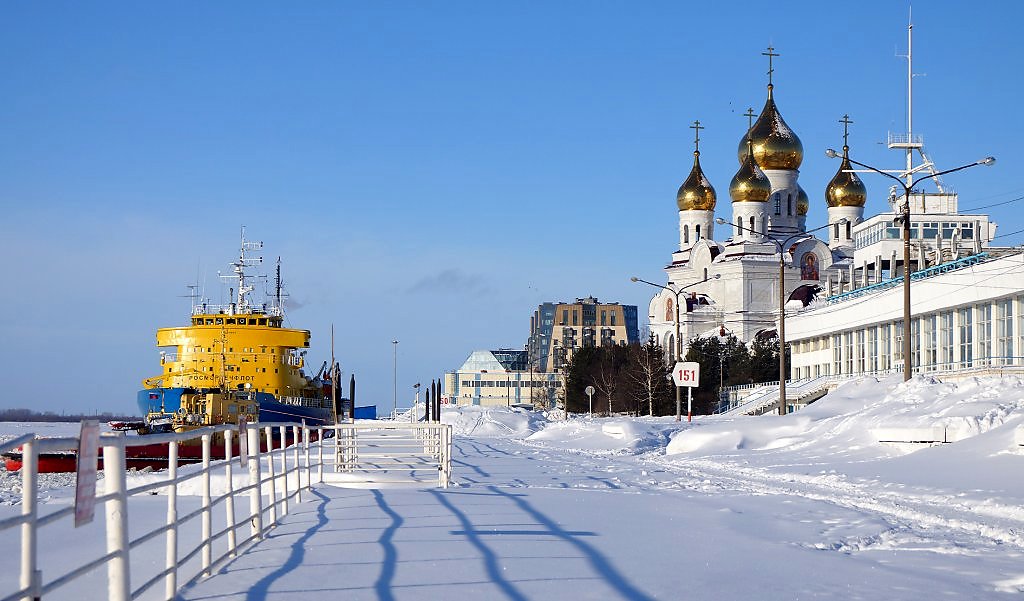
<point>242,351</point>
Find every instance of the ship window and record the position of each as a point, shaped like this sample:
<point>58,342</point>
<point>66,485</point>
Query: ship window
<point>263,349</point>
<point>263,322</point>
<point>209,321</point>
<point>231,321</point>
<point>220,321</point>
<point>232,408</point>
<point>241,321</point>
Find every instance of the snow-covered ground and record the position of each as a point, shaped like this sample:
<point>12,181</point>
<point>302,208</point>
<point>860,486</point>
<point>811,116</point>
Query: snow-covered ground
<point>806,506</point>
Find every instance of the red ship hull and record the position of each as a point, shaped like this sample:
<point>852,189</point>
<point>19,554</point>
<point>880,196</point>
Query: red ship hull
<point>153,456</point>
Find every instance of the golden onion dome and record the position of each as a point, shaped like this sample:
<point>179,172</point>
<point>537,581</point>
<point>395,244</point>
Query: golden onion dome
<point>846,189</point>
<point>750,184</point>
<point>696,193</point>
<point>802,202</point>
<point>775,144</point>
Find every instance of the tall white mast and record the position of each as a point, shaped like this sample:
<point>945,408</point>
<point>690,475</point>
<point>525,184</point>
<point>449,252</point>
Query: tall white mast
<point>910,101</point>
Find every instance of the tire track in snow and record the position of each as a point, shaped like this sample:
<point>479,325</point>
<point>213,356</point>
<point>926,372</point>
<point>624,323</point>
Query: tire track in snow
<point>992,523</point>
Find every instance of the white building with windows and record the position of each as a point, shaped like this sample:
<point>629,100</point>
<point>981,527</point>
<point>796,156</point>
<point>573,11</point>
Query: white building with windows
<point>500,378</point>
<point>966,314</point>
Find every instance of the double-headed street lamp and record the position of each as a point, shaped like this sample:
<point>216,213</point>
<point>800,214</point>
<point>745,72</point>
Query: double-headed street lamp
<point>905,219</point>
<point>782,296</point>
<point>678,351</point>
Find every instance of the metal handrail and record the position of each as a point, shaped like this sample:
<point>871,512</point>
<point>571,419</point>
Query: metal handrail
<point>260,518</point>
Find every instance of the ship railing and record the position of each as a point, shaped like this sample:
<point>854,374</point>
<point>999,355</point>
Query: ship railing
<point>206,503</point>
<point>234,358</point>
<point>373,453</point>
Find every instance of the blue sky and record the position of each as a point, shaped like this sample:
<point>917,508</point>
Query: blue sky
<point>428,171</point>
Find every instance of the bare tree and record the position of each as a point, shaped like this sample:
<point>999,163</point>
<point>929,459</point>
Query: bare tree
<point>649,373</point>
<point>606,379</point>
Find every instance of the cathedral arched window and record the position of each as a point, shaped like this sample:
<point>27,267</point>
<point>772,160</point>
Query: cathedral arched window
<point>686,234</point>
<point>739,224</point>
<point>789,208</point>
<point>835,230</point>
<point>696,233</point>
<point>778,203</point>
<point>849,226</point>
<point>754,229</point>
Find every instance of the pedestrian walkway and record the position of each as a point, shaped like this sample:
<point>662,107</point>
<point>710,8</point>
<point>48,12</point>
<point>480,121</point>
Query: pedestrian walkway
<point>521,523</point>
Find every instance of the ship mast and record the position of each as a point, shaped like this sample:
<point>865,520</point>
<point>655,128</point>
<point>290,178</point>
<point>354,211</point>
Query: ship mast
<point>244,287</point>
<point>277,285</point>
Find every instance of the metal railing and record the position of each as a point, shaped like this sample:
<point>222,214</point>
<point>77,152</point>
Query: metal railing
<point>390,452</point>
<point>766,394</point>
<point>294,471</point>
<point>914,276</point>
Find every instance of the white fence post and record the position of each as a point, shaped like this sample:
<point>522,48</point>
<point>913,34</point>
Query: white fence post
<point>29,508</point>
<point>229,499</point>
<point>309,471</point>
<point>207,519</point>
<point>271,478</point>
<point>116,484</point>
<point>298,467</point>
<point>284,469</point>
<point>171,580</point>
<point>320,462</point>
<point>252,433</point>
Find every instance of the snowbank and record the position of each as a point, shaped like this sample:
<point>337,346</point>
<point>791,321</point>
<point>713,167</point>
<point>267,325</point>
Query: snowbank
<point>850,421</point>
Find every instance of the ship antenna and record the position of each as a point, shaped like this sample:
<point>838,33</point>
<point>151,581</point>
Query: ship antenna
<point>277,285</point>
<point>242,303</point>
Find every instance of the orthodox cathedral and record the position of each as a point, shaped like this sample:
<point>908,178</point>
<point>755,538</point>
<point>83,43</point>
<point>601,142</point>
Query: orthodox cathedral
<point>843,302</point>
<point>733,286</point>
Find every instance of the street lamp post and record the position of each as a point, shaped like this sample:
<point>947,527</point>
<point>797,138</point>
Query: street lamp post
<point>905,219</point>
<point>394,409</point>
<point>678,351</point>
<point>782,298</point>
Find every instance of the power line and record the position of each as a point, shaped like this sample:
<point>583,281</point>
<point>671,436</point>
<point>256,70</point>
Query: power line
<point>1007,234</point>
<point>1005,202</point>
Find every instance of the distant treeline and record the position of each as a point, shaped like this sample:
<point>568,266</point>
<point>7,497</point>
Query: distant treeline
<point>27,415</point>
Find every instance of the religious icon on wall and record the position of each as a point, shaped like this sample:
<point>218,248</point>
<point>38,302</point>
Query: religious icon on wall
<point>809,266</point>
<point>669,310</point>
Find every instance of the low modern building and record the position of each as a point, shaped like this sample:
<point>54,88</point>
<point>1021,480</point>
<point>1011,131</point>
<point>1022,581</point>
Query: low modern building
<point>500,377</point>
<point>966,313</point>
<point>558,329</point>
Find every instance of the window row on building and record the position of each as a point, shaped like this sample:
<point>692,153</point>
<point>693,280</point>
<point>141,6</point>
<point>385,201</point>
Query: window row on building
<point>509,384</point>
<point>983,334</point>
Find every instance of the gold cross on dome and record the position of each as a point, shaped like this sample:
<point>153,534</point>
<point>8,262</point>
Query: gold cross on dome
<point>846,128</point>
<point>771,69</point>
<point>696,127</point>
<point>750,117</point>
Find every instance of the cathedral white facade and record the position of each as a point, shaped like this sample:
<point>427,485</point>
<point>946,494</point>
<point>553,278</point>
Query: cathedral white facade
<point>733,285</point>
